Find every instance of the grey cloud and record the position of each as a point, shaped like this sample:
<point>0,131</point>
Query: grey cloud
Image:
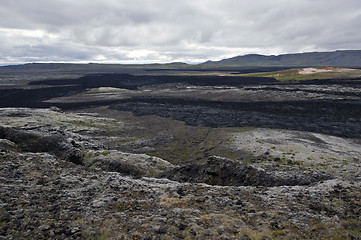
<point>174,30</point>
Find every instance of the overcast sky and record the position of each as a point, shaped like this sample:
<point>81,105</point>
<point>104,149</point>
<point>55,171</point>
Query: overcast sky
<point>192,31</point>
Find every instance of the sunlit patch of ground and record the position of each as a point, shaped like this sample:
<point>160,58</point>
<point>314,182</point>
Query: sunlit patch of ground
<point>309,73</point>
<point>323,70</point>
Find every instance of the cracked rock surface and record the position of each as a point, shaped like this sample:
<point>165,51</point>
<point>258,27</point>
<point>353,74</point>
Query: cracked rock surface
<point>110,194</point>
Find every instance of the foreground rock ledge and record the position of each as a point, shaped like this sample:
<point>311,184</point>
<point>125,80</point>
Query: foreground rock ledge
<point>43,197</point>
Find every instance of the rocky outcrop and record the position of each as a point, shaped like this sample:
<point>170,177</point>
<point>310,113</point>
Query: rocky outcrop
<point>73,144</point>
<point>36,141</point>
<point>136,165</point>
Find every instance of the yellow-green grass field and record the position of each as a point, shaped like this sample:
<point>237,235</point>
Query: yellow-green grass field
<point>309,73</point>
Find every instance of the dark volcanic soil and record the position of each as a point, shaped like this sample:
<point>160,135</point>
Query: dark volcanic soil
<point>337,112</point>
<point>340,118</point>
<point>64,87</point>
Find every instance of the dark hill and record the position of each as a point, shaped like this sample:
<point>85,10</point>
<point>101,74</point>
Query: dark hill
<point>345,58</point>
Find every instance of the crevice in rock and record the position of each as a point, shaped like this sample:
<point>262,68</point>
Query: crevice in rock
<point>226,172</point>
<point>216,171</point>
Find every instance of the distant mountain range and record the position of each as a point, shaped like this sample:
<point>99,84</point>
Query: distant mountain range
<point>341,58</point>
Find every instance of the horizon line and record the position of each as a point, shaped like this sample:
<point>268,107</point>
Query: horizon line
<point>166,63</point>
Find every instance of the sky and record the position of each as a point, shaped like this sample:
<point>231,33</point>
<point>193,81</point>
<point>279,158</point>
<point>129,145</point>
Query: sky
<point>162,31</point>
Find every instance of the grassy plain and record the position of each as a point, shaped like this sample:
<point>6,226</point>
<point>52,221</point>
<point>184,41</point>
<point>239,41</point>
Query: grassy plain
<point>308,74</point>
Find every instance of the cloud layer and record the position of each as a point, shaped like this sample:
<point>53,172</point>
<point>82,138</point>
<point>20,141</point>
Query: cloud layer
<point>143,31</point>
